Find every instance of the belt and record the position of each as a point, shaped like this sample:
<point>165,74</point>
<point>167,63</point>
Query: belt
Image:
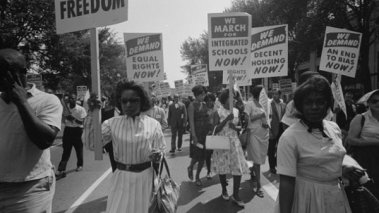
<point>133,167</point>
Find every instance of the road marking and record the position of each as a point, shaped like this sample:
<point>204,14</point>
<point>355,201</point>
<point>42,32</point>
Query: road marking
<point>85,195</point>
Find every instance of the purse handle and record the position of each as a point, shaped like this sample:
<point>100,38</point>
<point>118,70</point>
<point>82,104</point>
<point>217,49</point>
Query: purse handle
<point>214,130</point>
<point>160,170</point>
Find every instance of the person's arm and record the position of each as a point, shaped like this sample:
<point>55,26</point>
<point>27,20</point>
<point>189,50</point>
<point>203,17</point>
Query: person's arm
<point>221,125</point>
<point>353,137</point>
<point>286,193</point>
<point>39,132</point>
<point>191,112</point>
<point>163,119</point>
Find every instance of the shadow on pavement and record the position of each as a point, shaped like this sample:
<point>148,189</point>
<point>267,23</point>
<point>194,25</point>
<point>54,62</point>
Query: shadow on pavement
<point>216,205</point>
<point>95,206</point>
<point>188,192</point>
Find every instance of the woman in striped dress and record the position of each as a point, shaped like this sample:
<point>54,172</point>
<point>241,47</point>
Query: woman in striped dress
<point>137,140</point>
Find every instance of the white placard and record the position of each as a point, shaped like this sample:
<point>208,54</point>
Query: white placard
<point>229,42</point>
<point>81,92</point>
<point>144,56</point>
<point>269,51</point>
<point>78,15</point>
<point>199,74</point>
<point>340,51</point>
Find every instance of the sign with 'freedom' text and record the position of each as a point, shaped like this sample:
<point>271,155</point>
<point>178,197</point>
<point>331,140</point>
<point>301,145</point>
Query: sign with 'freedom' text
<point>269,51</point>
<point>144,56</point>
<point>340,51</point>
<point>229,43</point>
<point>75,15</point>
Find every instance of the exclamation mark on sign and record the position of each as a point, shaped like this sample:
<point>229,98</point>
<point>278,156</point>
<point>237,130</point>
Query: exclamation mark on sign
<point>350,68</point>
<point>243,60</point>
<point>158,72</point>
<point>281,67</point>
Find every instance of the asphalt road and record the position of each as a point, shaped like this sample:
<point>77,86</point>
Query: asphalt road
<point>86,191</point>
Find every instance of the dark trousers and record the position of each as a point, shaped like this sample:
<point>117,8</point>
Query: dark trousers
<point>272,145</point>
<point>175,130</point>
<point>72,137</point>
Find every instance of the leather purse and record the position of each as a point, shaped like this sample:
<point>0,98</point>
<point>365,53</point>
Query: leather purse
<point>213,142</point>
<point>166,193</point>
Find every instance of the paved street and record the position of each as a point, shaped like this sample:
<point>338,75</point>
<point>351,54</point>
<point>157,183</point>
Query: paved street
<point>86,191</point>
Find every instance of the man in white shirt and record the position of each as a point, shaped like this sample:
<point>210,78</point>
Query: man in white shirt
<point>29,122</point>
<point>72,135</point>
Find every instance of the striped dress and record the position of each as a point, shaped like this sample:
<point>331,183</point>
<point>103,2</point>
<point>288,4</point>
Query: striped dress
<point>133,141</point>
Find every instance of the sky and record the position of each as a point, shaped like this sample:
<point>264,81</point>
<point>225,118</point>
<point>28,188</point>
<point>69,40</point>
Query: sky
<point>177,20</point>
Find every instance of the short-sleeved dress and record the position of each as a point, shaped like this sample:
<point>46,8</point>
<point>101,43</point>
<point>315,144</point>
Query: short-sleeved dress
<point>229,161</point>
<point>202,127</point>
<point>133,141</point>
<point>257,145</point>
<point>316,163</point>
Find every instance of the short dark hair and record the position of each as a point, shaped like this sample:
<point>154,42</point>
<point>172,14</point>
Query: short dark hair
<point>198,90</point>
<point>209,97</point>
<point>125,84</point>
<point>224,95</point>
<point>315,84</point>
<point>306,75</point>
<point>256,90</point>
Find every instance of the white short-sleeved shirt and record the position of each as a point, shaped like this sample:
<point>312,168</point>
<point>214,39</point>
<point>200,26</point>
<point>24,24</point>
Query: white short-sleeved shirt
<point>20,159</point>
<point>79,113</point>
<point>133,140</point>
<point>310,155</point>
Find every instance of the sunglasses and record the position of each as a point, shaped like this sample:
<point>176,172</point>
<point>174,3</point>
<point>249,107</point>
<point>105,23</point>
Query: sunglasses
<point>130,100</point>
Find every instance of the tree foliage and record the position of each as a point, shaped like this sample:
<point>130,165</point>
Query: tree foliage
<point>64,60</point>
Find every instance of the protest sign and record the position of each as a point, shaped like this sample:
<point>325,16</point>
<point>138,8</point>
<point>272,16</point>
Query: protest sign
<point>230,43</point>
<point>199,74</point>
<point>269,51</point>
<point>340,51</point>
<point>179,87</point>
<point>144,56</point>
<point>338,95</point>
<point>35,79</point>
<point>241,77</point>
<point>165,89</point>
<point>81,92</point>
<point>78,15</point>
<point>285,85</point>
<point>187,90</point>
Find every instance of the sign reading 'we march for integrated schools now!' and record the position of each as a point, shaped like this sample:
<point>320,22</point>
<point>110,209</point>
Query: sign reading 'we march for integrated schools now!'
<point>78,15</point>
<point>229,45</point>
<point>144,56</point>
<point>340,52</point>
<point>269,51</point>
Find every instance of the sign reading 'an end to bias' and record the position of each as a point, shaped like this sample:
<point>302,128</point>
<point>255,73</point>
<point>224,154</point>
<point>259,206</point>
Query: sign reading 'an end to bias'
<point>144,56</point>
<point>229,41</point>
<point>340,52</point>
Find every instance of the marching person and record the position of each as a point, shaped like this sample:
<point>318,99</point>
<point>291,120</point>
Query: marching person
<point>72,136</point>
<point>277,111</point>
<point>137,141</point>
<point>177,120</point>
<point>310,156</point>
<point>157,113</point>
<point>30,121</point>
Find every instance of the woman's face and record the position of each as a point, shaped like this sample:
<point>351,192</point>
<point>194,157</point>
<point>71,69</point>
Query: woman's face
<point>130,103</point>
<point>374,103</point>
<point>201,96</point>
<point>315,107</point>
<point>210,104</point>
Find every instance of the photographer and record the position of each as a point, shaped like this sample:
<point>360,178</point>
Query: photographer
<point>30,121</point>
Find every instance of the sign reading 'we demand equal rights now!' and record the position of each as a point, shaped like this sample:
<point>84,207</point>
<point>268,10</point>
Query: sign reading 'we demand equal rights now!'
<point>340,52</point>
<point>144,56</point>
<point>229,45</point>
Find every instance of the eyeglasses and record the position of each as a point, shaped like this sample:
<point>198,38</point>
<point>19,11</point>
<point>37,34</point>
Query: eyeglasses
<point>374,101</point>
<point>130,100</point>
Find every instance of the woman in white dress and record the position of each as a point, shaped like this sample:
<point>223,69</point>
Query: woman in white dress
<point>229,161</point>
<point>310,156</point>
<point>137,140</point>
<point>259,134</point>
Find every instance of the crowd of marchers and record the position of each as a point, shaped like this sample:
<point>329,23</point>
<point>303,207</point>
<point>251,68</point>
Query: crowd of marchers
<point>317,149</point>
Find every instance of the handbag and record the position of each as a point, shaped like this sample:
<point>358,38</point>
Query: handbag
<point>166,193</point>
<point>244,138</point>
<point>217,141</point>
<point>361,200</point>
